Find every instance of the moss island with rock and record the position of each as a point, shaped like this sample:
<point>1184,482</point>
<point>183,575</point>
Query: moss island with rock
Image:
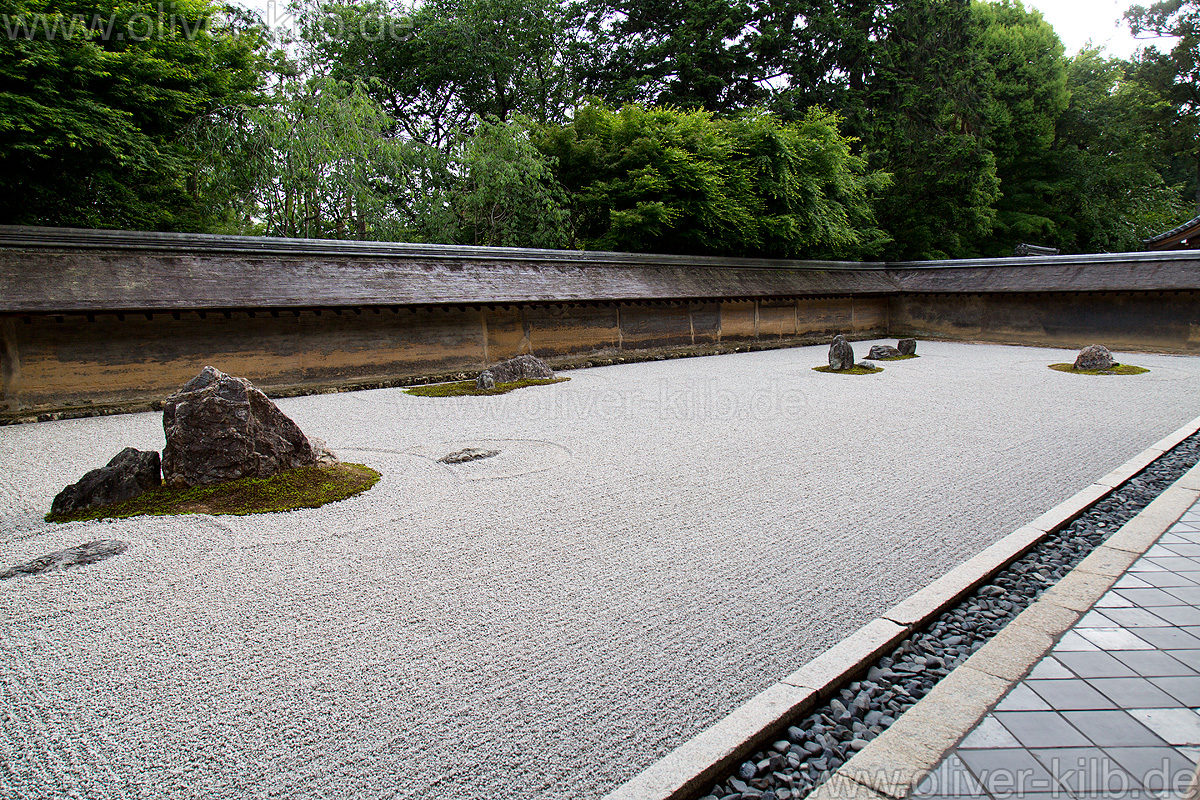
<point>302,487</point>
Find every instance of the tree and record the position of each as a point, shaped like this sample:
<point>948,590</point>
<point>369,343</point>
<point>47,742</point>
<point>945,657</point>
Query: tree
<point>673,181</point>
<point>1109,151</point>
<point>1175,76</point>
<point>1026,93</point>
<point>94,101</point>
<point>695,54</point>
<point>453,61</point>
<point>316,162</point>
<point>507,195</point>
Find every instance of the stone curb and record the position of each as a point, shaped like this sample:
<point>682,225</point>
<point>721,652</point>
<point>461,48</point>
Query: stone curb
<point>891,766</point>
<point>897,759</point>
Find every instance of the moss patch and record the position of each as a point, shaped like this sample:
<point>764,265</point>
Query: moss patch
<point>468,389</point>
<point>1119,369</point>
<point>896,358</point>
<point>855,370</point>
<point>305,487</point>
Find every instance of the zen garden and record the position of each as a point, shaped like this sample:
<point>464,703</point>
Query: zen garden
<point>496,399</point>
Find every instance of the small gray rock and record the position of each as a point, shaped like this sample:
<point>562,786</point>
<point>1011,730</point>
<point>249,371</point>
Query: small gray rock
<point>841,354</point>
<point>1094,356</point>
<point>486,380</point>
<point>128,474</point>
<point>867,366</point>
<point>907,347</point>
<point>883,351</point>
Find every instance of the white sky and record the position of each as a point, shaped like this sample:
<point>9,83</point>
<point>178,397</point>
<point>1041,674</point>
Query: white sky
<point>1102,21</point>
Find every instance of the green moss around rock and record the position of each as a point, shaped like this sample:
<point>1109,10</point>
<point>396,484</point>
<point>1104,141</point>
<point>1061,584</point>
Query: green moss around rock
<point>1119,369</point>
<point>855,370</point>
<point>304,487</point>
<point>468,388</point>
<point>896,358</point>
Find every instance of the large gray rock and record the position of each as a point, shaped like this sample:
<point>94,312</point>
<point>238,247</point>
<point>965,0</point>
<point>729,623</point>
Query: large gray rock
<point>221,428</point>
<point>882,351</point>
<point>127,475</point>
<point>907,347</point>
<point>1094,356</point>
<point>523,367</point>
<point>841,354</point>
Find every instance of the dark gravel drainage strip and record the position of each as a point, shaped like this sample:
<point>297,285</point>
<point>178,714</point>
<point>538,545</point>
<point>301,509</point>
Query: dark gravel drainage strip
<point>789,740</point>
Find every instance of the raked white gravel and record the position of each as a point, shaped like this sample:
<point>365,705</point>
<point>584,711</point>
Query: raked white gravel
<point>655,543</point>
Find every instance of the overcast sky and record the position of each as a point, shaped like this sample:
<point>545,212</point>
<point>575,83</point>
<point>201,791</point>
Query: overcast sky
<point>1102,21</point>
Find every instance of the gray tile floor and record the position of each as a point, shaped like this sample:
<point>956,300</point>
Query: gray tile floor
<point>1112,711</point>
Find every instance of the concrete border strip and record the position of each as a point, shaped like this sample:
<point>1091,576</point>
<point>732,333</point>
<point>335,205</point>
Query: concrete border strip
<point>900,756</point>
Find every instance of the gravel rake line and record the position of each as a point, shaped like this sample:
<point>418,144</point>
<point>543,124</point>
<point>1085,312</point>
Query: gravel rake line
<point>826,738</point>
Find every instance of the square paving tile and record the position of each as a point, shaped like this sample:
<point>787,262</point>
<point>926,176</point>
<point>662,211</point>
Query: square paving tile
<point>1086,770</point>
<point>1009,773</point>
<point>1190,657</point>
<point>1183,549</point>
<point>1135,692</point>
<point>1176,563</point>
<point>1131,581</point>
<point>1050,667</point>
<point>1096,619</point>
<point>1134,618</point>
<point>1164,580</point>
<point>1022,698</point>
<point>950,779</point>
<point>1111,729</point>
<point>1095,665</point>
<point>1188,594</point>
<point>1153,663</point>
<point>1112,639</point>
<point>1043,728</point>
<point>1160,551</point>
<point>1186,690</point>
<point>1072,642</point>
<point>1113,600</point>
<point>1148,598</point>
<point>1155,768</point>
<point>1169,638</point>
<point>989,733</point>
<point>1180,614</point>
<point>1070,695</point>
<point>1177,726</point>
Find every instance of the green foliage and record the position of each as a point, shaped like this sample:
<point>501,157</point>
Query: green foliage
<point>303,487</point>
<point>469,389</point>
<point>1111,144</point>
<point>507,195</point>
<point>666,180</point>
<point>690,54</point>
<point>314,162</point>
<point>1026,93</point>
<point>1175,76</point>
<point>94,97</point>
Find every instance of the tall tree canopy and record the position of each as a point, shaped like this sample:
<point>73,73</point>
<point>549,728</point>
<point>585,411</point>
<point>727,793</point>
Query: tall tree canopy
<point>842,128</point>
<point>95,99</point>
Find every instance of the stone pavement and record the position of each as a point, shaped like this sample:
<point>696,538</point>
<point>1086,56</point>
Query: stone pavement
<point>1111,711</point>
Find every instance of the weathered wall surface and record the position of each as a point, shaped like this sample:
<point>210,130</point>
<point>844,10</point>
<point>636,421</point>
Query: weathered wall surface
<point>95,321</point>
<point>100,362</point>
<point>1165,322</point>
